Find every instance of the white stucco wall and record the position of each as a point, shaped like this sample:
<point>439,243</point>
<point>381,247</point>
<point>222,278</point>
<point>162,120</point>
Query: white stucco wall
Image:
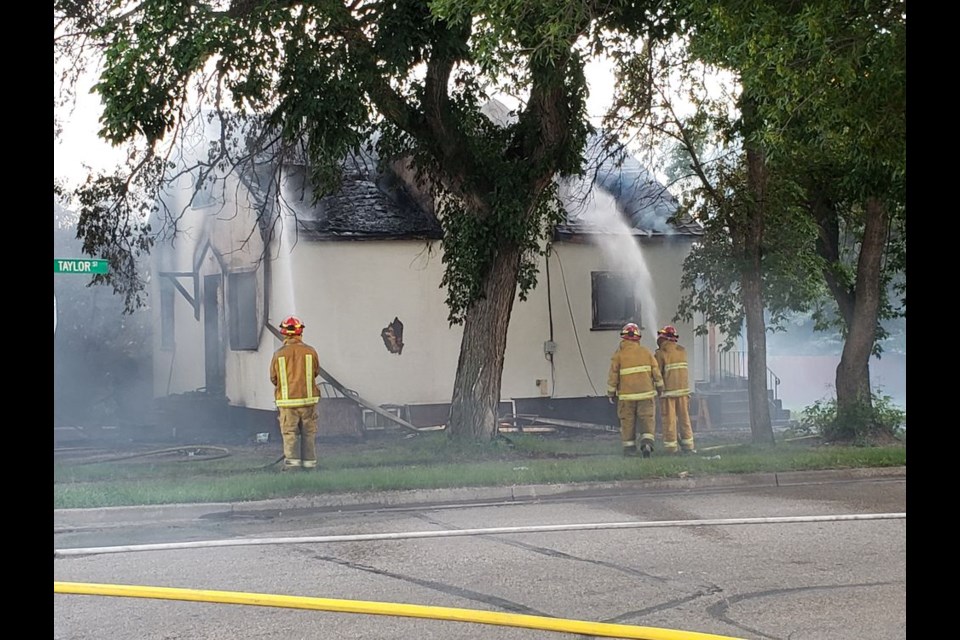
<point>346,292</point>
<point>530,324</point>
<point>174,368</point>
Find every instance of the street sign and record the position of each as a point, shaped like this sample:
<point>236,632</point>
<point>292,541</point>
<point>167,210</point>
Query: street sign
<point>73,265</point>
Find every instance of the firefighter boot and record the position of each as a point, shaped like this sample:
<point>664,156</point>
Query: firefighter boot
<point>630,451</point>
<point>291,464</point>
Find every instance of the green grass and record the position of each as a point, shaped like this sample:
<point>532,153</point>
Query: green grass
<point>428,462</point>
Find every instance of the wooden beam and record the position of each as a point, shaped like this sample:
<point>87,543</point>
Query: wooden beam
<point>173,275</point>
<point>353,395</point>
<point>572,424</point>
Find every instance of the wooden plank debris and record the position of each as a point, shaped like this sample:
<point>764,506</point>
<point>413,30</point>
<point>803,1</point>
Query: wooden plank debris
<point>572,424</point>
<point>353,395</point>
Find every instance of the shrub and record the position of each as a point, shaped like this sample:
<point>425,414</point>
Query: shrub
<point>859,424</point>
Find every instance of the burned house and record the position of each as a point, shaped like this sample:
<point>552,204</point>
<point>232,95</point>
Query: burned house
<point>362,268</point>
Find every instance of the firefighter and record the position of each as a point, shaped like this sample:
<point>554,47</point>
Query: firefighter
<point>635,381</point>
<point>293,372</point>
<point>675,399</point>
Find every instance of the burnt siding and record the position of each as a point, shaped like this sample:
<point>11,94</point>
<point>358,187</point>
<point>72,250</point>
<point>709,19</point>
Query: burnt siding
<point>362,208</point>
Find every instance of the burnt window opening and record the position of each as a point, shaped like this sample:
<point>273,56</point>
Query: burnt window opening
<point>167,298</point>
<point>242,302</point>
<point>392,336</point>
<point>614,300</point>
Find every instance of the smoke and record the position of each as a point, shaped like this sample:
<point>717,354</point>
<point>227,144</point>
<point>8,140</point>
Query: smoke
<point>806,362</point>
<point>644,203</point>
<point>102,369</point>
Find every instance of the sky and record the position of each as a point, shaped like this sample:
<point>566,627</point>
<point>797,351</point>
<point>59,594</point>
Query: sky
<point>79,144</point>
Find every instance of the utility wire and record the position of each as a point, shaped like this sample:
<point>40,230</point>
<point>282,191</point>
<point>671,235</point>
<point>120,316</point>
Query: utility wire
<point>563,279</point>
<point>550,356</point>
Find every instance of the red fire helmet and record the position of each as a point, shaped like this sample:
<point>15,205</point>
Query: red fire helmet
<point>669,332</point>
<point>630,331</point>
<point>291,326</point>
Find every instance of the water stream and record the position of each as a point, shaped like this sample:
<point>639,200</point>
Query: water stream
<point>597,212</point>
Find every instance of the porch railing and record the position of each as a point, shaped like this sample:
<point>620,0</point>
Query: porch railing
<point>733,364</point>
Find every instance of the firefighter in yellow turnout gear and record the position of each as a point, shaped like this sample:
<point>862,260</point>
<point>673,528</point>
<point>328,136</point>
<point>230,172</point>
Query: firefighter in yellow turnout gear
<point>675,400</point>
<point>293,372</point>
<point>635,380</point>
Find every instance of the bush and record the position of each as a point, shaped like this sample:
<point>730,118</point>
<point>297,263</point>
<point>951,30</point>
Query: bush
<point>860,425</point>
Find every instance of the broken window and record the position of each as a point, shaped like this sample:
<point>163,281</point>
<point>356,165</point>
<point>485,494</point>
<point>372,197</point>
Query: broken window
<point>242,301</point>
<point>614,298</point>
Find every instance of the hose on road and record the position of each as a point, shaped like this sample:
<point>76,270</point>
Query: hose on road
<point>563,625</point>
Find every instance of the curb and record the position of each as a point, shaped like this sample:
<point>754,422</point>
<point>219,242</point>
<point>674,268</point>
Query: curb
<point>73,519</point>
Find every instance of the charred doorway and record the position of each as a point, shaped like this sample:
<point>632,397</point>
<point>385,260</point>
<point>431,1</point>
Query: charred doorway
<point>213,346</point>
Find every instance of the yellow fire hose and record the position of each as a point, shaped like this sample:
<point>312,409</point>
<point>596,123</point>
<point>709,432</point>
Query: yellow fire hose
<point>561,625</point>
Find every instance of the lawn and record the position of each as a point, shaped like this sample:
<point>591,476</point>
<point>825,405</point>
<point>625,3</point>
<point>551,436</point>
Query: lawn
<point>143,475</point>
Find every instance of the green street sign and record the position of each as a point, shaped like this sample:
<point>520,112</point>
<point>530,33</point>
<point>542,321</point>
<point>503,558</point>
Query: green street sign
<point>73,265</point>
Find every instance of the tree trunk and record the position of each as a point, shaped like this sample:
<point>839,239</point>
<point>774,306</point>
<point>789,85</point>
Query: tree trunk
<point>751,282</point>
<point>761,427</point>
<point>853,372</point>
<point>828,247</point>
<point>476,390</point>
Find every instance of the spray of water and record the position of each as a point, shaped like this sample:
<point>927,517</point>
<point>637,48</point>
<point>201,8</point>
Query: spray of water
<point>285,302</point>
<point>597,212</point>
<point>622,251</point>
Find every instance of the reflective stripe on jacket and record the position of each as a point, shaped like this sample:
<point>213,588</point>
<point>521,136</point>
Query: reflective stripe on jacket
<point>634,372</point>
<point>293,372</point>
<point>672,359</point>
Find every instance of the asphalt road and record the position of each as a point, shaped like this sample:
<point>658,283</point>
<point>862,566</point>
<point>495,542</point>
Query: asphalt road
<point>821,577</point>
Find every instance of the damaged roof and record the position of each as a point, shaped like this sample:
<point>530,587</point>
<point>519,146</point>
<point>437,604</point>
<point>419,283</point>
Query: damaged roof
<point>374,203</point>
<point>617,194</point>
<point>369,204</point>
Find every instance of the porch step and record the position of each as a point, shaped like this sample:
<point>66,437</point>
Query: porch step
<point>729,406</point>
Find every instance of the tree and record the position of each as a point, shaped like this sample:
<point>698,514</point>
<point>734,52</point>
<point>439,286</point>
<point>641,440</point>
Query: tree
<point>828,80</point>
<point>858,187</point>
<point>821,120</point>
<point>750,261</point>
<point>320,79</point>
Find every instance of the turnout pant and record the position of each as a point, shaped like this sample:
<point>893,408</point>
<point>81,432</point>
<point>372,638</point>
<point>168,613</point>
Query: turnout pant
<point>637,415</point>
<point>298,427</point>
<point>675,412</point>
